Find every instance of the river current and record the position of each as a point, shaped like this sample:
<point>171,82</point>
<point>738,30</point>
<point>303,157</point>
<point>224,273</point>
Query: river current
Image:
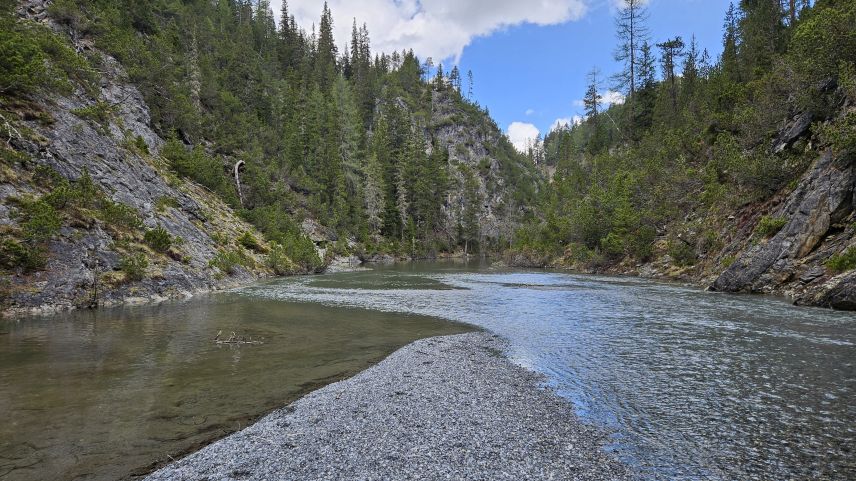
<point>692,385</point>
<point>686,384</point>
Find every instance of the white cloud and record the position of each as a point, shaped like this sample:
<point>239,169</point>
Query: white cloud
<point>530,112</point>
<point>522,134</point>
<point>432,28</point>
<point>610,97</point>
<point>566,122</point>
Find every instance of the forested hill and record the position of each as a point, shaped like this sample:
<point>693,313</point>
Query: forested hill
<point>737,171</point>
<point>158,147</point>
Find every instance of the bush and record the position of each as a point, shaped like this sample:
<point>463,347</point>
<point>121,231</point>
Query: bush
<point>682,253</point>
<point>118,215</point>
<point>843,262</point>
<point>41,221</point>
<point>22,62</point>
<point>98,113</point>
<point>158,239</point>
<point>134,266</point>
<point>279,261</point>
<point>250,242</point>
<point>228,261</point>
<point>166,202</point>
<point>770,226</point>
<point>14,255</point>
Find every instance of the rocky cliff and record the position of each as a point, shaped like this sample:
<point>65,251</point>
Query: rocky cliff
<point>819,215</point>
<point>99,140</point>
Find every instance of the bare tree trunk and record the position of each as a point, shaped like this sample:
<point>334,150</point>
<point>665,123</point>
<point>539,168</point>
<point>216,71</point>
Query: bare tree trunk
<point>238,166</point>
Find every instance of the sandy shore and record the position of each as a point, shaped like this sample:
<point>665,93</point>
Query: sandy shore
<point>441,408</point>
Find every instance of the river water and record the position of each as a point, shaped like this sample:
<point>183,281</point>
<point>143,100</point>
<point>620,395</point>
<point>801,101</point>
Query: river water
<point>690,385</point>
<point>108,394</point>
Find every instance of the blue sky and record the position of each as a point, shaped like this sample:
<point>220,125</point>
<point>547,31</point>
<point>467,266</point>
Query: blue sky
<point>529,58</point>
<point>534,74</point>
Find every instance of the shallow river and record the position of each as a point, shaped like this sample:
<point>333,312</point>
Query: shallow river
<point>691,385</point>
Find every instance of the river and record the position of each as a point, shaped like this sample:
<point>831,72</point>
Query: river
<point>690,385</point>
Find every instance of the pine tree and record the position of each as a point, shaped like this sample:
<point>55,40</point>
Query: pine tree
<point>672,51</point>
<point>592,98</point>
<point>455,79</point>
<point>730,42</point>
<point>325,62</point>
<point>632,34</point>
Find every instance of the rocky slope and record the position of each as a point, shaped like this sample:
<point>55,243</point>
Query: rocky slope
<point>820,224</point>
<point>119,152</point>
<point>477,146</point>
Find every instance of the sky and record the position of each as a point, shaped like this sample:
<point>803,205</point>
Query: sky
<point>529,57</point>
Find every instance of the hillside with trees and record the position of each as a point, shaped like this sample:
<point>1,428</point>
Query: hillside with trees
<point>736,171</point>
<point>308,150</point>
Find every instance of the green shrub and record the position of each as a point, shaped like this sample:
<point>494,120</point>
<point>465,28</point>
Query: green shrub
<point>228,260</point>
<point>158,239</point>
<point>41,221</point>
<point>843,262</point>
<point>279,261</point>
<point>682,253</point>
<point>22,62</point>
<point>14,255</point>
<point>166,202</point>
<point>118,215</point>
<point>98,113</point>
<point>250,242</point>
<point>134,266</point>
<point>770,226</point>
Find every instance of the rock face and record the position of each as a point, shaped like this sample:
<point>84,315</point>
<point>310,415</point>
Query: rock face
<point>113,154</point>
<point>476,145</point>
<point>791,262</point>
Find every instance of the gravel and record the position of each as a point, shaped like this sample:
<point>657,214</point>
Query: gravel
<point>441,408</point>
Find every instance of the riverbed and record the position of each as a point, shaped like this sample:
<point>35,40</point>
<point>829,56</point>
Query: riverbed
<point>691,385</point>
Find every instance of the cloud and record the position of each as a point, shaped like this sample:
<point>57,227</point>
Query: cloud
<point>566,122</point>
<point>530,112</point>
<point>609,97</point>
<point>612,97</point>
<point>521,134</point>
<point>432,28</point>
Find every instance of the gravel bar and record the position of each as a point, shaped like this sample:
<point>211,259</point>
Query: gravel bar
<point>441,408</point>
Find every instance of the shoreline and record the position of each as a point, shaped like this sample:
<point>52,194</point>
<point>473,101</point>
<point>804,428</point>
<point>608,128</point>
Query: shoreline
<point>438,407</point>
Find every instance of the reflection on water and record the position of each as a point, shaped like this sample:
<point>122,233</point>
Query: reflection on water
<point>695,385</point>
<point>101,395</point>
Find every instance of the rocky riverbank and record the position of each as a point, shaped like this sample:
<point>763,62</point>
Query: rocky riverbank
<point>440,408</point>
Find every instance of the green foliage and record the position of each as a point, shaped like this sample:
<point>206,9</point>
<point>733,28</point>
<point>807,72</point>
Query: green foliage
<point>770,226</point>
<point>279,261</point>
<point>228,260</point>
<point>119,216</point>
<point>250,242</point>
<point>32,57</point>
<point>18,255</point>
<point>98,113</point>
<point>159,239</point>
<point>134,266</point>
<point>166,202</point>
<point>22,62</point>
<point>40,221</point>
<point>682,253</point>
<point>843,262</point>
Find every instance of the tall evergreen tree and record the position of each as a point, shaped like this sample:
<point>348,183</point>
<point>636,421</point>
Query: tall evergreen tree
<point>632,34</point>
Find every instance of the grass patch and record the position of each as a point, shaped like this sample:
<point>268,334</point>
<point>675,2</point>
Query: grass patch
<point>770,226</point>
<point>846,261</point>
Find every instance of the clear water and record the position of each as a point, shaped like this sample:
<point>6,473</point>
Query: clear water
<point>109,394</point>
<point>693,385</point>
